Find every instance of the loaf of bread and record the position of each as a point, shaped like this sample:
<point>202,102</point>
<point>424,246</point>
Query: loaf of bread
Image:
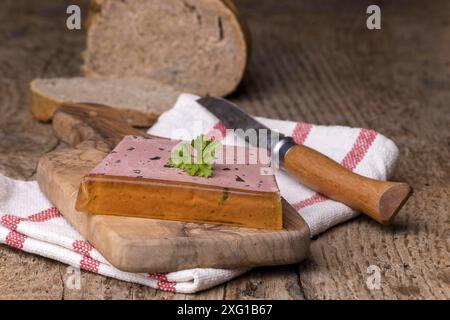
<point>196,46</point>
<point>140,101</point>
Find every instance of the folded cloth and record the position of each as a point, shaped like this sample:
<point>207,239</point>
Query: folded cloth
<point>28,221</point>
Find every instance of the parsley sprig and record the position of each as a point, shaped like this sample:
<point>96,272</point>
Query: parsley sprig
<point>196,157</point>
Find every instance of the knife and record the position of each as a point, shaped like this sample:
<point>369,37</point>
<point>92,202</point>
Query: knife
<point>380,200</point>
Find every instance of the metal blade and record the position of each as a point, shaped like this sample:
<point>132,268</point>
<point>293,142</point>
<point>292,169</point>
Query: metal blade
<point>233,117</point>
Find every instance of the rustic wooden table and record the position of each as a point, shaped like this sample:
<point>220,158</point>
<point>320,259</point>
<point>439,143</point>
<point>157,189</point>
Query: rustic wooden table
<point>313,61</point>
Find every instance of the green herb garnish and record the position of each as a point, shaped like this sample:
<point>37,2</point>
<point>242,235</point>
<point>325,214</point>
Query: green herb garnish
<point>196,157</point>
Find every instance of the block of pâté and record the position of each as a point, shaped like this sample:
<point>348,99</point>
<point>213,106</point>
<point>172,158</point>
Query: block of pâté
<point>136,180</point>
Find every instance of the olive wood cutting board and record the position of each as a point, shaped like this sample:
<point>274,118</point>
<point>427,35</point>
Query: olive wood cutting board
<point>149,245</point>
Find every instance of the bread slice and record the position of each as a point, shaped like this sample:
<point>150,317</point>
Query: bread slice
<point>140,101</point>
<point>196,46</point>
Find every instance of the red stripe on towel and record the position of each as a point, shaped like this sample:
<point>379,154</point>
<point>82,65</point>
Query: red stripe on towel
<point>15,239</point>
<point>87,262</point>
<point>11,221</point>
<point>310,201</point>
<point>163,283</point>
<point>359,149</point>
<point>301,132</point>
<point>44,215</point>
<point>82,247</point>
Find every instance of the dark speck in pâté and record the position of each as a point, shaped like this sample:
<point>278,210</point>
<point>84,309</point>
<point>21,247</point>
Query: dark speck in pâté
<point>117,161</point>
<point>131,149</point>
<point>167,166</point>
<point>162,149</point>
<point>236,169</point>
<point>239,179</point>
<point>226,169</point>
<point>225,194</point>
<point>155,158</point>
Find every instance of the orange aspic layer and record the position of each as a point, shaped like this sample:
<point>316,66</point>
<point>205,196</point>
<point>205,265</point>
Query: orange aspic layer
<point>124,196</point>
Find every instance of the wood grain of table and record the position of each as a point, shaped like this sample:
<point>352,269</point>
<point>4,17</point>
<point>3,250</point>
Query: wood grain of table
<point>312,61</point>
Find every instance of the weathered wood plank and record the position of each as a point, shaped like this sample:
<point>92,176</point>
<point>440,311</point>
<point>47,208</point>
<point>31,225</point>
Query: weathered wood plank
<point>26,276</point>
<point>266,283</point>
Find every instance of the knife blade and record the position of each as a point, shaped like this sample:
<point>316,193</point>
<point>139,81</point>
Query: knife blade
<point>381,200</point>
<point>233,117</point>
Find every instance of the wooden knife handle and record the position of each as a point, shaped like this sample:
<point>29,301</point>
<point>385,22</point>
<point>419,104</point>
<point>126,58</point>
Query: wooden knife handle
<point>380,200</point>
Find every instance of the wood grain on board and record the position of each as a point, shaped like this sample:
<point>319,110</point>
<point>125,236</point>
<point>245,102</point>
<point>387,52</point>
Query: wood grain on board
<point>311,61</point>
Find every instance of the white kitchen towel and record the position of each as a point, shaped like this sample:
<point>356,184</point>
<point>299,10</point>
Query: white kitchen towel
<point>28,221</point>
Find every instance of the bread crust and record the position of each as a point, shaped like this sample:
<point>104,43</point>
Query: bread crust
<point>227,7</point>
<point>42,107</point>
